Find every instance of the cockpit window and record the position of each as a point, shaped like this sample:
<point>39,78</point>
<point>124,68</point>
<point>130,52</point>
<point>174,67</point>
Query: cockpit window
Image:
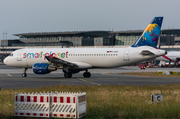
<point>11,54</point>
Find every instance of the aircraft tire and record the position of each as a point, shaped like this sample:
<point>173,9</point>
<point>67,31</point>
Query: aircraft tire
<point>87,74</point>
<point>24,75</point>
<point>68,75</point>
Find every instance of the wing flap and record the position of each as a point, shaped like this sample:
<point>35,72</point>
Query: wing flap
<point>60,61</point>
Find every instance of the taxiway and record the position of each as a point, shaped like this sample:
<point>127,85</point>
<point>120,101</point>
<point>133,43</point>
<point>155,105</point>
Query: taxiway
<point>11,77</point>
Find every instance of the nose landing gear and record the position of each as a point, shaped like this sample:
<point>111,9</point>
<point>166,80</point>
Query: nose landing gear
<point>24,74</point>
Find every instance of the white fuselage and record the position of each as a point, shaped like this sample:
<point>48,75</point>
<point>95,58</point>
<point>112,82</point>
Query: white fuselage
<point>170,56</point>
<point>93,57</point>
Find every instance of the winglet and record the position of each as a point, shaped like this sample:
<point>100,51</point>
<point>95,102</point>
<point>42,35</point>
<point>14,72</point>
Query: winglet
<point>51,56</point>
<point>151,34</point>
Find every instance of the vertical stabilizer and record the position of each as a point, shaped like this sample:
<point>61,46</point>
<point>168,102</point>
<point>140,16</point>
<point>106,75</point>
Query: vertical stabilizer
<point>151,34</point>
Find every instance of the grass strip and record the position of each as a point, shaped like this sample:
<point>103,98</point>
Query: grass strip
<point>110,101</point>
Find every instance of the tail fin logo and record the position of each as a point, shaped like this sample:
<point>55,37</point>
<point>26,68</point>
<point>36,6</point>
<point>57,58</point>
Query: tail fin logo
<point>151,34</point>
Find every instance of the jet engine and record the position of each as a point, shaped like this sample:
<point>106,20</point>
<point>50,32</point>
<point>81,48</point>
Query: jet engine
<point>42,68</point>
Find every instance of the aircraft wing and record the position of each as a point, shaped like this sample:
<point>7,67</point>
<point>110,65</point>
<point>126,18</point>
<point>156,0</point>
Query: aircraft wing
<point>147,52</point>
<point>60,61</point>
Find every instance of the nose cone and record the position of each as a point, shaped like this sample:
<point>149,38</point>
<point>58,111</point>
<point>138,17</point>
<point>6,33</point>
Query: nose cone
<point>6,61</point>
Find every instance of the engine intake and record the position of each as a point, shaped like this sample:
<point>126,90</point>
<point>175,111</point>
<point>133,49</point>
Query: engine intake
<point>42,68</point>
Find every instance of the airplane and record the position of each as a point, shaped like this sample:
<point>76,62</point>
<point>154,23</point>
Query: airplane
<point>74,60</point>
<point>171,56</point>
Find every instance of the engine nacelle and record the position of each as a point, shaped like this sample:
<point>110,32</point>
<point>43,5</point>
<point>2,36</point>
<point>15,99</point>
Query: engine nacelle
<point>42,68</point>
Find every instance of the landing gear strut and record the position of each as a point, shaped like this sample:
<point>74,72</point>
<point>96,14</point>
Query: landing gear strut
<point>87,74</point>
<point>68,75</point>
<point>24,74</point>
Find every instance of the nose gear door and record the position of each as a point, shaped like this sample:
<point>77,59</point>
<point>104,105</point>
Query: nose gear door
<point>19,56</point>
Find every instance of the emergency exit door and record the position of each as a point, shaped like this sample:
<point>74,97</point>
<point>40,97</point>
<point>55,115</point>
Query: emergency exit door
<point>126,55</point>
<point>19,56</point>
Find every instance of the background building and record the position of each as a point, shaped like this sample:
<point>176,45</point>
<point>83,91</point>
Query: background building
<point>89,38</point>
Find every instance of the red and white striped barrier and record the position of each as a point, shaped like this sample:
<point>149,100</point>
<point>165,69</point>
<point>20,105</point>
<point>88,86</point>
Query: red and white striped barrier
<point>64,105</point>
<point>36,105</point>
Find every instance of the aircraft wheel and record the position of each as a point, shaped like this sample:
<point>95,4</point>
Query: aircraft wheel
<point>87,74</point>
<point>24,75</point>
<point>68,75</point>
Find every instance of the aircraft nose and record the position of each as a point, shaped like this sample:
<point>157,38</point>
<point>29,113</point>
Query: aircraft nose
<point>6,61</point>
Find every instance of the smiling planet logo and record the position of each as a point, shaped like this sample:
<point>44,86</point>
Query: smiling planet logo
<point>150,33</point>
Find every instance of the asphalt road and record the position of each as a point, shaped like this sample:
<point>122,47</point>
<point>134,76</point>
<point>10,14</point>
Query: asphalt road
<point>11,78</point>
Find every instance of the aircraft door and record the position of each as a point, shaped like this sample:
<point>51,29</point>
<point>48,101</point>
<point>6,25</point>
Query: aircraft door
<point>19,56</point>
<point>126,55</point>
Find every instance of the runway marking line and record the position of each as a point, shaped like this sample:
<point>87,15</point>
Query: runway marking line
<point>8,74</point>
<point>88,81</point>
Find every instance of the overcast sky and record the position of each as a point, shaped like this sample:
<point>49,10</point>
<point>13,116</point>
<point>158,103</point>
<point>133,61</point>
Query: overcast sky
<point>23,16</point>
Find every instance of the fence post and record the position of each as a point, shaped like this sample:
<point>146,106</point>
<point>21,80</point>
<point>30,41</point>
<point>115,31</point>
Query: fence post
<point>49,99</point>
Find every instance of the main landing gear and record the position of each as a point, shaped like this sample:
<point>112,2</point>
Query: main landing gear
<point>87,74</point>
<point>24,74</point>
<point>68,75</point>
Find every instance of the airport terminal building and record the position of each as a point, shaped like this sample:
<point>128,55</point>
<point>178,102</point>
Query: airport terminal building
<point>88,38</point>
<point>169,39</point>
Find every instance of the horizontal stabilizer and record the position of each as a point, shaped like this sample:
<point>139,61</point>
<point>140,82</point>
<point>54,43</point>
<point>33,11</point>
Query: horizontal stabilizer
<point>146,52</point>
